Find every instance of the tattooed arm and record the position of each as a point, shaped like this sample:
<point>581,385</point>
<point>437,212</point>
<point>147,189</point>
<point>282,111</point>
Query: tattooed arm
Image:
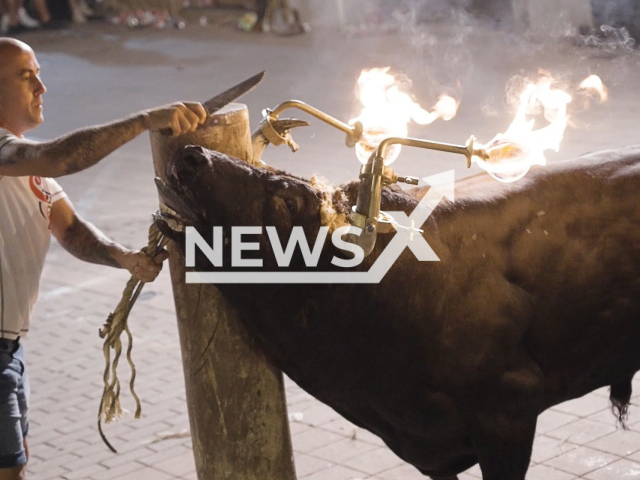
<point>84,241</point>
<point>86,147</point>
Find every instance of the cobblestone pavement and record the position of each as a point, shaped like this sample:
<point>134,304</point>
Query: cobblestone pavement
<point>95,74</point>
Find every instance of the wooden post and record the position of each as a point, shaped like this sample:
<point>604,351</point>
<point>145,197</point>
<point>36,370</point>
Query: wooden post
<point>236,402</point>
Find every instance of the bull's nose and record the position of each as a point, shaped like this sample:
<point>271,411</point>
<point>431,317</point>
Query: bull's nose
<point>188,161</point>
<point>194,159</point>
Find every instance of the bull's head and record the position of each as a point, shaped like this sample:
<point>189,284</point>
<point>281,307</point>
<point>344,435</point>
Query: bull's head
<point>208,188</point>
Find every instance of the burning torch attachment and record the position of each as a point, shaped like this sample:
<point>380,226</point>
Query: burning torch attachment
<point>354,132</point>
<point>375,174</point>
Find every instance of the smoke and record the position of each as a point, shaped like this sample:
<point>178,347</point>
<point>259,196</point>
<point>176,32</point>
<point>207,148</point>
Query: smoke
<point>618,14</point>
<point>611,40</point>
<point>367,14</point>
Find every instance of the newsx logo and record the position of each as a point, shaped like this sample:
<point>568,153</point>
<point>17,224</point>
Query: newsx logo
<point>442,186</point>
<point>283,256</point>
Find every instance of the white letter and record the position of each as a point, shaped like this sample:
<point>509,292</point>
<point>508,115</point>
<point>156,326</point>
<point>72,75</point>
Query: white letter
<point>358,252</point>
<point>193,238</point>
<point>237,247</point>
<point>297,236</point>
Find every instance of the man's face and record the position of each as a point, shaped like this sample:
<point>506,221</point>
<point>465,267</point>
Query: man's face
<point>21,91</point>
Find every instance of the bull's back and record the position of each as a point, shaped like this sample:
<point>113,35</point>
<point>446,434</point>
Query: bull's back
<point>561,250</point>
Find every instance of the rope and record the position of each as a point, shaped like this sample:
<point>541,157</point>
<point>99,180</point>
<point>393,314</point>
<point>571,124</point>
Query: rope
<point>110,408</point>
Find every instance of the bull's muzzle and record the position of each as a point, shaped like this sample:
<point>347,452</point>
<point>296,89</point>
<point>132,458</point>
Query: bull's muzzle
<point>187,163</point>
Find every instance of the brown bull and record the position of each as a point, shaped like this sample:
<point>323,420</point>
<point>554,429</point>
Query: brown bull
<point>536,300</point>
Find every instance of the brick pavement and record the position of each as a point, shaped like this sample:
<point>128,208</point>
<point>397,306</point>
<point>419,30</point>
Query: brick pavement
<point>578,439</point>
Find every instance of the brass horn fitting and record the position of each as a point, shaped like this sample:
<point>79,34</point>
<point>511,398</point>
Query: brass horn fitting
<point>354,132</point>
<point>374,175</point>
<point>269,132</point>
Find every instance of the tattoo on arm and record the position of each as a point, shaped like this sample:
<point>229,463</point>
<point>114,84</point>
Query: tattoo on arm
<point>86,147</point>
<point>71,153</point>
<point>84,241</point>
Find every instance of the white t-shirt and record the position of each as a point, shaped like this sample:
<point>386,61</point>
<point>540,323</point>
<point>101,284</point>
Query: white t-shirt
<point>25,206</point>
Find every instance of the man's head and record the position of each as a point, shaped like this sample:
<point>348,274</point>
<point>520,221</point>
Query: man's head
<point>21,89</point>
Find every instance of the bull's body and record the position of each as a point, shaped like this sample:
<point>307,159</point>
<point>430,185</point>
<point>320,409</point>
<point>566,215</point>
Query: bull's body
<point>536,300</point>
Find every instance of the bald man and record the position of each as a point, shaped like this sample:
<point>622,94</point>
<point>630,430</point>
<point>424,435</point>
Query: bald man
<point>33,206</point>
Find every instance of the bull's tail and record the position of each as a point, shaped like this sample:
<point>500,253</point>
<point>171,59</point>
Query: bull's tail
<point>620,396</point>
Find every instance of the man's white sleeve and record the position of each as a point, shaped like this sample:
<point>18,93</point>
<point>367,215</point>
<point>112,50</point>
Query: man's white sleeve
<point>54,189</point>
<point>6,136</point>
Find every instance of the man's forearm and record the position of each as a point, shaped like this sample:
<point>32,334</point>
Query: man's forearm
<point>72,152</point>
<point>86,147</point>
<point>87,243</point>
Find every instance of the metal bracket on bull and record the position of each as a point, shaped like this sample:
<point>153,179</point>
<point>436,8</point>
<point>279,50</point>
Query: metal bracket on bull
<point>354,132</point>
<point>173,220</point>
<point>375,174</point>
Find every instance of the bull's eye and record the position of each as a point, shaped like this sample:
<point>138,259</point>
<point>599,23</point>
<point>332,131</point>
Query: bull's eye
<point>291,205</point>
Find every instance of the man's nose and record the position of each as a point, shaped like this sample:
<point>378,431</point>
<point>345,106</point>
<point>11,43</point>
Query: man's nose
<point>40,88</point>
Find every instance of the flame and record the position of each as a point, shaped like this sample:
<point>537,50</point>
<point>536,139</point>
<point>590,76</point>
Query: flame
<point>512,153</point>
<point>386,112</point>
<point>594,83</point>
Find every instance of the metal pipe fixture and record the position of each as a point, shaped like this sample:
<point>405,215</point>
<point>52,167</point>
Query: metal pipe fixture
<point>375,174</point>
<point>354,132</point>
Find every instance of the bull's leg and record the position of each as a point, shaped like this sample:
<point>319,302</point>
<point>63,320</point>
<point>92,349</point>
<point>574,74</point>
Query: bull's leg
<point>504,455</point>
<point>505,426</point>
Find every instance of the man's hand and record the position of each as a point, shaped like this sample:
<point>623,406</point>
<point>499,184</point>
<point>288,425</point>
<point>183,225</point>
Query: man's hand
<point>178,117</point>
<point>141,266</point>
<point>86,242</point>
